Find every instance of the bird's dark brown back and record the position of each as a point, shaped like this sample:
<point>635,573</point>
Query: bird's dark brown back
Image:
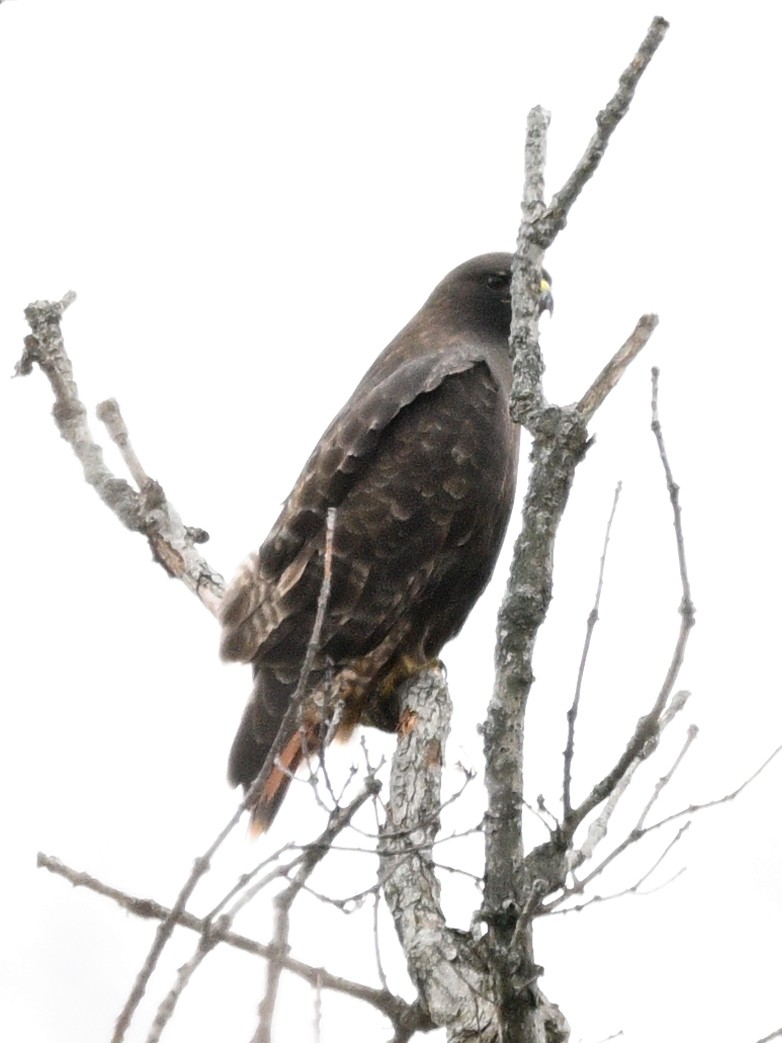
<point>420,468</point>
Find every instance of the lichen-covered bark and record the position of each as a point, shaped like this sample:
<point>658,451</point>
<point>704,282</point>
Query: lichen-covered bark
<point>446,965</point>
<point>511,894</point>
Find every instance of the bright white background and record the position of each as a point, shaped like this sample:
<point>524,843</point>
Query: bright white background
<point>250,199</point>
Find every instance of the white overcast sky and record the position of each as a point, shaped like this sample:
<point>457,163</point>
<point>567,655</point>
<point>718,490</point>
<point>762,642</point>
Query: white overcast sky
<point>250,199</point>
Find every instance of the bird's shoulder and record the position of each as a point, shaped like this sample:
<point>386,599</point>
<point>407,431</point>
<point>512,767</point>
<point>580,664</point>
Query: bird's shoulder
<point>342,457</point>
<point>345,450</point>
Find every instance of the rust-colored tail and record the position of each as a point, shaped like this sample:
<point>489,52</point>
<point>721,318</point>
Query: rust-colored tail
<point>276,786</point>
<point>258,733</point>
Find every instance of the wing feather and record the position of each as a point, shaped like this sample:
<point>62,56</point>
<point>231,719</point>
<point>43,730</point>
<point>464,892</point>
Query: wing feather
<point>259,597</point>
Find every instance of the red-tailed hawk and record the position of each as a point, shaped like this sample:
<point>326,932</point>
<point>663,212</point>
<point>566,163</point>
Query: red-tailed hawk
<point>420,468</point>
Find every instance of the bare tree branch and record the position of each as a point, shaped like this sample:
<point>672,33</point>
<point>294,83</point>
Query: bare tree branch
<point>572,713</point>
<point>664,780</point>
<point>316,852</point>
<point>687,609</point>
<point>555,218</point>
<point>393,1007</point>
<point>725,799</point>
<point>648,728</point>
<point>640,830</point>
<point>206,943</point>
<point>481,988</point>
<point>527,393</point>
<point>146,511</point>
<point>599,828</point>
<point>450,981</point>
<point>166,928</point>
<point>513,883</point>
<point>612,372</point>
<point>634,889</point>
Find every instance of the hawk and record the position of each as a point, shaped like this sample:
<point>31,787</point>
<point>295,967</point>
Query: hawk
<point>419,468</point>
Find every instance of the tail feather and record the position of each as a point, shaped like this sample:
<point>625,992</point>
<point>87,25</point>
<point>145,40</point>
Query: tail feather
<point>276,786</point>
<point>258,732</point>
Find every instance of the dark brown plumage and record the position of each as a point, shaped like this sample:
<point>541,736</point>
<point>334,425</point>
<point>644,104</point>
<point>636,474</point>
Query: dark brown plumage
<point>420,466</point>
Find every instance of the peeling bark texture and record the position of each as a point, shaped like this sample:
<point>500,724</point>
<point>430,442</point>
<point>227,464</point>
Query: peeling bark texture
<point>445,965</point>
<point>451,969</point>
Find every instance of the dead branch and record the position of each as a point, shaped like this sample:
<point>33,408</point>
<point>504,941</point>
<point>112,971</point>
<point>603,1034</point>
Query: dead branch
<point>306,862</point>
<point>166,928</point>
<point>572,713</point>
<point>145,510</point>
<point>664,780</point>
<point>599,827</point>
<point>647,730</point>
<point>640,830</point>
<point>540,226</point>
<point>452,987</point>
<point>725,799</point>
<point>457,988</point>
<point>393,1007</point>
<point>559,443</point>
<point>611,374</point>
<point>555,217</point>
<point>316,852</point>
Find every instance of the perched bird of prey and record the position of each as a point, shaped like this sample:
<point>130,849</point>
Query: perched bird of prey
<point>419,467</point>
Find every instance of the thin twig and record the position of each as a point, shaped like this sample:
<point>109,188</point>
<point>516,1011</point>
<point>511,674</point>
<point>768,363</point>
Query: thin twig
<point>641,831</point>
<point>392,1006</point>
<point>648,728</point>
<point>663,781</point>
<point>166,928</point>
<point>208,940</point>
<point>317,1012</point>
<point>694,808</point>
<point>635,889</point>
<point>381,973</point>
<point>599,828</point>
<point>633,892</point>
<point>687,608</point>
<point>572,713</point>
<point>315,853</point>
<point>246,878</point>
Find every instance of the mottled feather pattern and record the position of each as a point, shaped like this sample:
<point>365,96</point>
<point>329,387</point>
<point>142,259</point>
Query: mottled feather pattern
<point>420,466</point>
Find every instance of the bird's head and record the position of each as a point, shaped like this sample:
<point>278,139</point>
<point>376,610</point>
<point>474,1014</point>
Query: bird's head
<point>478,292</point>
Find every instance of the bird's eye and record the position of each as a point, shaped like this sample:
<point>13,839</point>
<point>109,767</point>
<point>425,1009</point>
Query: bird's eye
<point>498,279</point>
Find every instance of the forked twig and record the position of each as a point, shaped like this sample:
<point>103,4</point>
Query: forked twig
<point>145,510</point>
<point>647,730</point>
